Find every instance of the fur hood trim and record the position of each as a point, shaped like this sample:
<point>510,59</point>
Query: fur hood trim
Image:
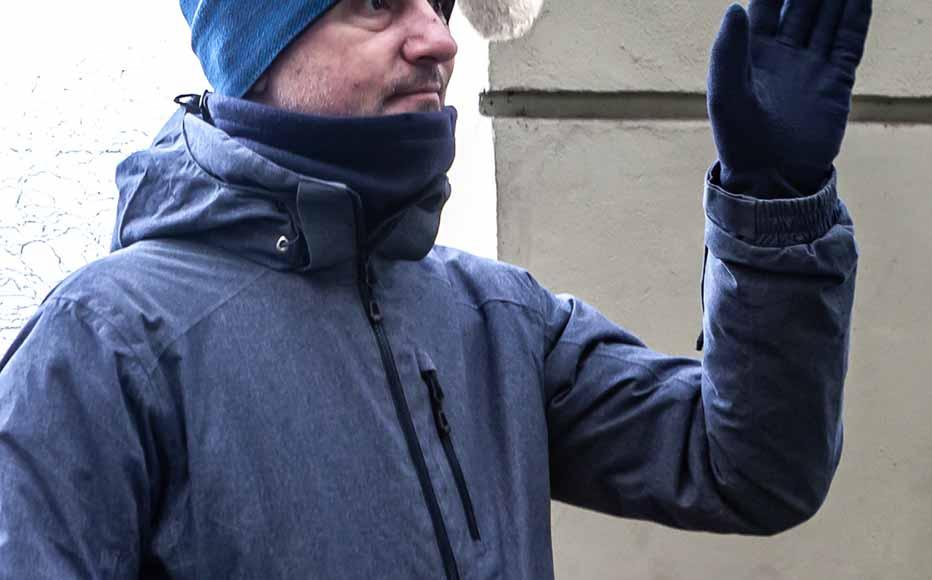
<point>501,19</point>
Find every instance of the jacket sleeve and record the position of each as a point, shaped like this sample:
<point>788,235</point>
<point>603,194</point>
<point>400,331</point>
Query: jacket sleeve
<point>746,440</point>
<point>75,464</point>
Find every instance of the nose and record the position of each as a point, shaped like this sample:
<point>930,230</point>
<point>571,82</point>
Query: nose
<point>430,39</point>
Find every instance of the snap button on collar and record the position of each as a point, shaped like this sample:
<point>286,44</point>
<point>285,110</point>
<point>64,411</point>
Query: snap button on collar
<point>282,245</point>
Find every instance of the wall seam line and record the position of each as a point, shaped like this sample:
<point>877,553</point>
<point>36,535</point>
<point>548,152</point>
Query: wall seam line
<point>675,106</point>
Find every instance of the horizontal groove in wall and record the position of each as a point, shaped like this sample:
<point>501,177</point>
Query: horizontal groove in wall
<point>636,106</point>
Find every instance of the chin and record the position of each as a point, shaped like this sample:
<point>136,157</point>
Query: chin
<point>427,108</point>
<point>418,103</point>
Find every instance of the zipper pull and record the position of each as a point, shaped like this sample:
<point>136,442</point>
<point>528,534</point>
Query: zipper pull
<point>436,401</point>
<point>429,374</point>
<point>436,393</point>
<point>370,275</point>
<point>443,424</point>
<point>375,311</point>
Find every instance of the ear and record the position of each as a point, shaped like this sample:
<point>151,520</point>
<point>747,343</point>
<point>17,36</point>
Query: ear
<point>258,89</point>
<point>501,19</point>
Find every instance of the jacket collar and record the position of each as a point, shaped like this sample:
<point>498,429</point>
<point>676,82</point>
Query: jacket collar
<point>195,182</point>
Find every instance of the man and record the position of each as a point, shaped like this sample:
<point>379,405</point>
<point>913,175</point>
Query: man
<point>277,375</point>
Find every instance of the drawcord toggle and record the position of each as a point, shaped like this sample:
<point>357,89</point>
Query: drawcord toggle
<point>195,104</point>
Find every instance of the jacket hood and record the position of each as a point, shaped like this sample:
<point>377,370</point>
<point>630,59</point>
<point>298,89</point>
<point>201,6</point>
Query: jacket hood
<point>196,183</point>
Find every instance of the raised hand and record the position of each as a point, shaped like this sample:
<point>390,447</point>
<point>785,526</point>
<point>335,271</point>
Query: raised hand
<point>780,83</point>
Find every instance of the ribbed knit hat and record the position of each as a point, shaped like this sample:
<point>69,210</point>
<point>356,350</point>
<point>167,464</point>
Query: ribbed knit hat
<point>237,40</point>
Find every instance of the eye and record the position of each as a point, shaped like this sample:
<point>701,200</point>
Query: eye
<point>376,5</point>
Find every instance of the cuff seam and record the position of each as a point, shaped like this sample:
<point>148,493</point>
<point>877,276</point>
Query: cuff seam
<point>772,222</point>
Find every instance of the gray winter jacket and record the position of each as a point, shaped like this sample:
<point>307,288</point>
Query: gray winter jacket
<point>245,389</point>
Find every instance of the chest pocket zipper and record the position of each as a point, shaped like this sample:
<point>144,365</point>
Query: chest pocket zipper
<point>445,432</point>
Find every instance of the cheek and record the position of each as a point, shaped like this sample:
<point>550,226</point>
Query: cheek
<point>355,94</point>
<point>360,86</point>
<point>357,90</point>
<point>343,80</point>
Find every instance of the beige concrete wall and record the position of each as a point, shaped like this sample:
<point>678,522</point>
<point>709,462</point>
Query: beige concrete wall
<point>611,210</point>
<point>610,45</point>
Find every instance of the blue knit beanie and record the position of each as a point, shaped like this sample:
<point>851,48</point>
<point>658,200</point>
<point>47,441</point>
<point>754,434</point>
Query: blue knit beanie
<point>237,40</point>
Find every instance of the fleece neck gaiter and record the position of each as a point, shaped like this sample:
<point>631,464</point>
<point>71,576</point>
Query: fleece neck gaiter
<point>390,161</point>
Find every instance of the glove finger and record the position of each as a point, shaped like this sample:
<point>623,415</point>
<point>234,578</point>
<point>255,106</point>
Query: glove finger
<point>798,20</point>
<point>823,35</point>
<point>852,32</point>
<point>730,62</point>
<point>765,16</point>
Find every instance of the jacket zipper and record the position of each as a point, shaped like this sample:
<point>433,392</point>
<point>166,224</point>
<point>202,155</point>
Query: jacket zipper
<point>445,431</point>
<point>374,314</point>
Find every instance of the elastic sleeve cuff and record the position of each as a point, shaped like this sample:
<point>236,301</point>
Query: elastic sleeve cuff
<point>771,222</point>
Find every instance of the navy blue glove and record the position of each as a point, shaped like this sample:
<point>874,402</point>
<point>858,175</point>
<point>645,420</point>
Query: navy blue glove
<point>780,83</point>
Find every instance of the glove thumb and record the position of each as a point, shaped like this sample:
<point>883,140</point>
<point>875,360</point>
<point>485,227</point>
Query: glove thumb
<point>730,60</point>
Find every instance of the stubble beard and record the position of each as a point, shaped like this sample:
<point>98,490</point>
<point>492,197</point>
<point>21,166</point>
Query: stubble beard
<point>329,99</point>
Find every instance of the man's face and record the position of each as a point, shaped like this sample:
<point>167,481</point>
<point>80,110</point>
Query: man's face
<point>365,57</point>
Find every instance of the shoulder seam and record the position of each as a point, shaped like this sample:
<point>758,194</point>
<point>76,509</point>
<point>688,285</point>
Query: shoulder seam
<point>205,315</point>
<point>537,314</point>
<point>137,359</point>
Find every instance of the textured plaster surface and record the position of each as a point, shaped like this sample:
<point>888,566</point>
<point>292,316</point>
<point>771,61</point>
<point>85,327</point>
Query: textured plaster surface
<point>86,88</point>
<point>641,45</point>
<point>591,203</point>
<point>612,212</point>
